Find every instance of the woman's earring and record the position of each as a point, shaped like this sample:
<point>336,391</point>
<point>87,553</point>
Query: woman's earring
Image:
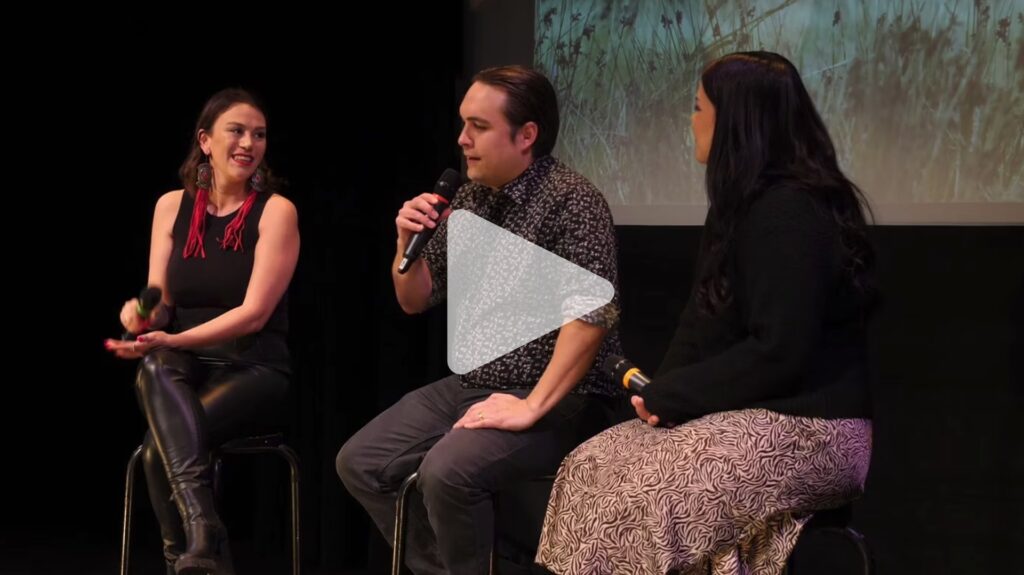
<point>258,181</point>
<point>204,176</point>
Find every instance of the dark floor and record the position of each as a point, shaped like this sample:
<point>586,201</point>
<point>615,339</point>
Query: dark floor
<point>818,556</point>
<point>85,558</point>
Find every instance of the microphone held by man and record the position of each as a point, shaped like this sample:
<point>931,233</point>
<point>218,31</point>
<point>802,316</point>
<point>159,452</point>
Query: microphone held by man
<point>444,189</point>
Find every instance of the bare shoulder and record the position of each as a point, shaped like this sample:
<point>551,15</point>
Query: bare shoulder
<point>279,211</point>
<point>167,207</point>
<point>279,206</point>
<point>169,202</point>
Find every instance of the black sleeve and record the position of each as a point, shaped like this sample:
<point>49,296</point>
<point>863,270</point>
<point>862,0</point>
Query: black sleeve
<point>786,262</point>
<point>683,350</point>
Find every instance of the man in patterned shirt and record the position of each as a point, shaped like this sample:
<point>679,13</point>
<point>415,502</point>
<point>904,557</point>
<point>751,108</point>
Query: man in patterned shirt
<point>517,416</point>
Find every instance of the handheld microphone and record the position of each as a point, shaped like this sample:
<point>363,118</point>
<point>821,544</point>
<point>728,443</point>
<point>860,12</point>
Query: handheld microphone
<point>149,297</point>
<point>444,189</point>
<point>623,371</point>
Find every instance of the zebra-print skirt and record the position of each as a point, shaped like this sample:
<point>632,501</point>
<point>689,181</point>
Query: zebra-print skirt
<point>727,492</point>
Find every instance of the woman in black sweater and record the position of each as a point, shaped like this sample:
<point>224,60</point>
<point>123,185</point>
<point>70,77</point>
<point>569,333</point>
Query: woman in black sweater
<point>759,414</point>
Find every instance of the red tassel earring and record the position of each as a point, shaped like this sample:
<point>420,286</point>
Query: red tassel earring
<point>197,227</point>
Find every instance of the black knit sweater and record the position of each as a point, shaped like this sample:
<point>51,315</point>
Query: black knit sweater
<point>792,339</point>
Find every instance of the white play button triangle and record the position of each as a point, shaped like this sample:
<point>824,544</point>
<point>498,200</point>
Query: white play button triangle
<point>504,292</point>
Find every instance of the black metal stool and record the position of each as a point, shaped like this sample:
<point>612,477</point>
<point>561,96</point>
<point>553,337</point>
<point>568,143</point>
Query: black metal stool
<point>401,518</point>
<point>258,444</point>
<point>836,522</point>
<point>401,521</point>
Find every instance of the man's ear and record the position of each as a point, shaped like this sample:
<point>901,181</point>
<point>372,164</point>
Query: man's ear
<point>526,136</point>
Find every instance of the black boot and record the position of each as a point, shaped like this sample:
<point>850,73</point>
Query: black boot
<point>171,554</point>
<point>163,504</point>
<point>206,552</point>
<point>174,542</point>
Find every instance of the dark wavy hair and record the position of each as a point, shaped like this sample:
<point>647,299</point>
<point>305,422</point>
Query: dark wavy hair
<point>768,132</point>
<point>214,107</point>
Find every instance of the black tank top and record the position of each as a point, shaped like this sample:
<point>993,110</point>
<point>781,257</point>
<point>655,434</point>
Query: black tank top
<point>204,288</point>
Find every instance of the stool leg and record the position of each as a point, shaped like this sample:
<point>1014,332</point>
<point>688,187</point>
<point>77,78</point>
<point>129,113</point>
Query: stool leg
<point>216,474</point>
<point>294,479</point>
<point>492,568</point>
<point>398,551</point>
<point>129,495</point>
<point>857,540</point>
<point>293,464</point>
<point>862,548</point>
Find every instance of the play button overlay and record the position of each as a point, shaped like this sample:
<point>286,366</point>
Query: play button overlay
<point>504,291</point>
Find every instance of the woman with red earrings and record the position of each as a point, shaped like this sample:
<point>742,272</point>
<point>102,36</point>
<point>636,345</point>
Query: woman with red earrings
<point>214,354</point>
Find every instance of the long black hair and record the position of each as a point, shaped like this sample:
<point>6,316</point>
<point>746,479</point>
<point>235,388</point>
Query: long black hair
<point>768,132</point>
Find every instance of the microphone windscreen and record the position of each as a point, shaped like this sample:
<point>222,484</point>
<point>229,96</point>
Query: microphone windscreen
<point>448,184</point>
<point>148,298</point>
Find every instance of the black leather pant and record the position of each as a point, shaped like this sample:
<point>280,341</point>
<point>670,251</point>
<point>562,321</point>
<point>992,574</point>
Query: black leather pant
<point>191,405</point>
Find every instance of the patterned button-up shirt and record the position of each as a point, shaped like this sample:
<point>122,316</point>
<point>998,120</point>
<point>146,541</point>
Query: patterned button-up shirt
<point>557,209</point>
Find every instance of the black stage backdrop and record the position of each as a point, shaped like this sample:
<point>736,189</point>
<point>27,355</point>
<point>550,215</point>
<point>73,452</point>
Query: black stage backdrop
<point>363,115</point>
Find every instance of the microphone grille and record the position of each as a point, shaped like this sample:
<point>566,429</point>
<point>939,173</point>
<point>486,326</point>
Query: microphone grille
<point>448,184</point>
<point>612,363</point>
<point>149,297</point>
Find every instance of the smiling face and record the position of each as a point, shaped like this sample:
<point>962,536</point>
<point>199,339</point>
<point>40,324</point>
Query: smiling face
<point>235,144</point>
<point>496,152</point>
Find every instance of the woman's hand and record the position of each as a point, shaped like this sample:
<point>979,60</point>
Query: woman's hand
<point>130,318</point>
<point>134,349</point>
<point>642,413</point>
<point>124,349</point>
